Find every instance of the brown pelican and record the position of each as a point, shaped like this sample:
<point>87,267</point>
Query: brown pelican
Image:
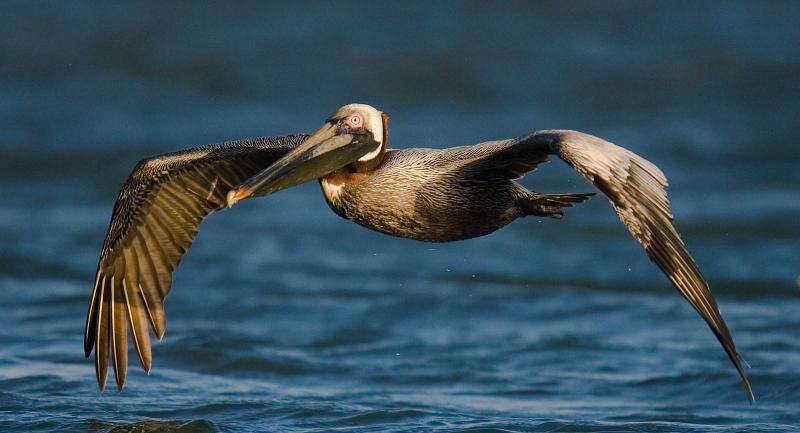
<point>423,194</point>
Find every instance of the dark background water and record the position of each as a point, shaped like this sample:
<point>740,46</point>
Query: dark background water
<point>284,317</point>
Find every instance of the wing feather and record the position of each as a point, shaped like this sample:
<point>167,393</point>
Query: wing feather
<point>155,219</point>
<point>637,190</point>
<point>101,342</point>
<point>137,315</point>
<point>152,296</point>
<point>119,334</point>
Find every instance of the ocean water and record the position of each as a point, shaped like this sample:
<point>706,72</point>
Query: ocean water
<point>285,318</point>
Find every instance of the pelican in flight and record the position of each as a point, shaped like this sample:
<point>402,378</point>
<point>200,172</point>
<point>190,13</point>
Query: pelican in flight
<point>431,195</point>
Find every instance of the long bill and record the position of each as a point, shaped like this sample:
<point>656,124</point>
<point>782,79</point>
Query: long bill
<point>322,153</point>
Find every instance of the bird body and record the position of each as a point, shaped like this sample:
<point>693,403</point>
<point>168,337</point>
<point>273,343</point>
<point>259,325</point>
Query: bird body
<point>434,195</point>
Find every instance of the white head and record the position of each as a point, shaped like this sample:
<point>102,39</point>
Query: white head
<point>367,117</point>
<point>353,138</point>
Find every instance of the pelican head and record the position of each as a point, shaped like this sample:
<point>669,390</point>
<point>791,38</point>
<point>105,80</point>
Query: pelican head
<point>355,134</point>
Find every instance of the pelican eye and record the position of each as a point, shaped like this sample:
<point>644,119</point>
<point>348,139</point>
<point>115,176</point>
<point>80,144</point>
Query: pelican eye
<point>354,121</point>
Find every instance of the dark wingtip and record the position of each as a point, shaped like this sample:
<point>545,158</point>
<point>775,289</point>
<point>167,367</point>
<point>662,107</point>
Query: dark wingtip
<point>748,389</point>
<point>730,349</point>
<point>119,378</point>
<point>146,363</point>
<point>746,383</point>
<point>89,339</point>
<point>160,327</point>
<point>89,336</point>
<point>101,373</point>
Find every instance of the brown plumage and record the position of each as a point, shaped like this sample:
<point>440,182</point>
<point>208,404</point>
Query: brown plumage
<point>441,195</point>
<point>154,221</point>
<point>423,194</point>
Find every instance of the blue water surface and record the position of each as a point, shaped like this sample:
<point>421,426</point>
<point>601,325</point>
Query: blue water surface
<point>285,318</point>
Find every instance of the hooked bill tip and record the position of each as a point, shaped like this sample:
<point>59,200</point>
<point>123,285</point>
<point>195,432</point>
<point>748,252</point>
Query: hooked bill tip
<point>235,195</point>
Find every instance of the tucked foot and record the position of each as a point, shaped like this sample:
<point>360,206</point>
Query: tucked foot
<point>551,205</point>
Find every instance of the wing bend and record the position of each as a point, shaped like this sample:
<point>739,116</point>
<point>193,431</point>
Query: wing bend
<point>155,219</point>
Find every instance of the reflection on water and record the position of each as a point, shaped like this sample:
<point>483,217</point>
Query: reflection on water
<point>286,318</point>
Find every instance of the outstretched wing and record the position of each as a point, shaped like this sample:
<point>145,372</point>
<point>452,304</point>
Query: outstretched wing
<point>637,191</point>
<point>155,219</point>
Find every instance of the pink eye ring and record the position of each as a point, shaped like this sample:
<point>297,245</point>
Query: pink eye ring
<point>354,121</point>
